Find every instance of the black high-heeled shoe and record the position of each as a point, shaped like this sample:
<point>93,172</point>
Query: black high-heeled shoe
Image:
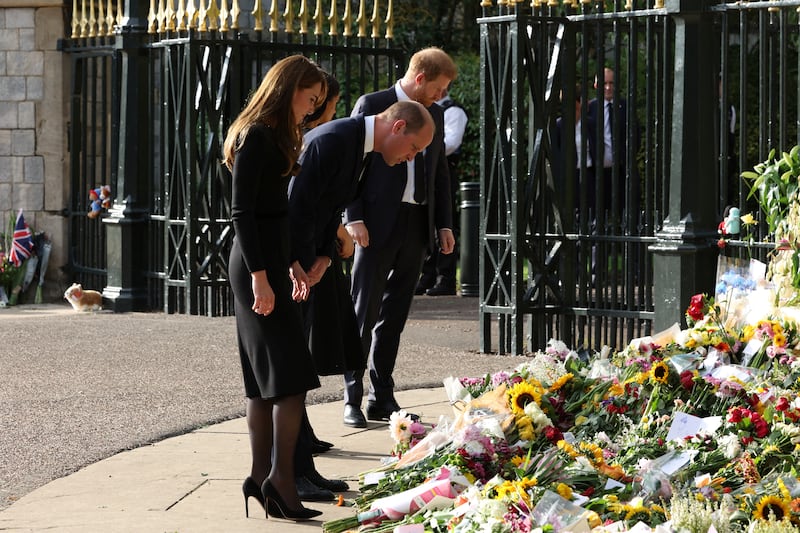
<point>278,508</point>
<point>251,489</point>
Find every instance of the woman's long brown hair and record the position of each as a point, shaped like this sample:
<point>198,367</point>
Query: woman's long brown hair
<point>271,105</point>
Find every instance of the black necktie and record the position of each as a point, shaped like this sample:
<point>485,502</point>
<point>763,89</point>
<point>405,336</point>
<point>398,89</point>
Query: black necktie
<point>419,179</point>
<point>364,166</point>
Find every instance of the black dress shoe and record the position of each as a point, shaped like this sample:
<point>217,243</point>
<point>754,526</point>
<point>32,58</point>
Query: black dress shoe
<point>441,289</point>
<point>353,417</point>
<point>382,412</point>
<point>336,485</point>
<point>318,448</point>
<point>422,286</point>
<point>310,492</point>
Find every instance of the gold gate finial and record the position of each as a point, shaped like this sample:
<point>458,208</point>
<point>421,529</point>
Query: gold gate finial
<point>288,17</point>
<point>258,16</point>
<point>223,16</point>
<point>376,22</point>
<point>110,18</point>
<point>191,15</point>
<point>362,18</point>
<point>161,16</point>
<point>390,20</point>
<point>318,17</point>
<point>151,18</point>
<point>303,17</point>
<point>347,20</point>
<point>75,19</point>
<point>235,10</point>
<point>273,16</point>
<point>180,15</point>
<point>333,19</point>
<point>213,15</point>
<point>92,20</point>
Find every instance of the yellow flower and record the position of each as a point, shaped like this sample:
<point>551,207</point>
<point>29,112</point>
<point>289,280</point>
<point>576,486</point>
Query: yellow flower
<point>521,395</point>
<point>747,219</point>
<point>582,419</point>
<point>747,333</point>
<point>779,340</point>
<point>560,382</point>
<point>660,372</point>
<point>617,389</point>
<point>564,490</point>
<point>525,428</point>
<point>771,506</point>
<point>593,519</point>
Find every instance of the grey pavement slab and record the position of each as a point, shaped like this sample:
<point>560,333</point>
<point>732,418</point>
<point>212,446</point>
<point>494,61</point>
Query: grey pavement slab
<point>79,388</point>
<point>192,482</point>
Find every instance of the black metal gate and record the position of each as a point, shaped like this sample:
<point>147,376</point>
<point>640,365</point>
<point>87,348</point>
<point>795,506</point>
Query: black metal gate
<point>178,90</point>
<point>556,261</point>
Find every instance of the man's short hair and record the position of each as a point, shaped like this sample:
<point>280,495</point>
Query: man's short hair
<point>414,113</point>
<point>433,62</point>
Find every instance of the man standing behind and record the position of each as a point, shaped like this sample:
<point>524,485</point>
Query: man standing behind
<point>613,118</point>
<point>439,270</point>
<point>393,223</point>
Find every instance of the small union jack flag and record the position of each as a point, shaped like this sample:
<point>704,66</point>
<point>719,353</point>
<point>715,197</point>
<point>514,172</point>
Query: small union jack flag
<point>22,244</point>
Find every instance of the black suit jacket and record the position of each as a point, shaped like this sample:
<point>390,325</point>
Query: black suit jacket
<point>383,189</point>
<point>619,126</point>
<point>331,164</point>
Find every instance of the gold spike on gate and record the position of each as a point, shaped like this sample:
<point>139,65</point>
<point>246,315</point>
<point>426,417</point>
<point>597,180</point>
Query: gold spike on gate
<point>223,16</point>
<point>376,22</point>
<point>362,18</point>
<point>191,15</point>
<point>389,20</point>
<point>303,15</point>
<point>273,17</point>
<point>288,17</point>
<point>318,17</point>
<point>258,16</point>
<point>347,20</point>
<point>333,19</point>
<point>235,10</point>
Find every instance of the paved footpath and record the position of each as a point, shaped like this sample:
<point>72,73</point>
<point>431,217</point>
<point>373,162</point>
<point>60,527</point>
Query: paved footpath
<point>133,422</point>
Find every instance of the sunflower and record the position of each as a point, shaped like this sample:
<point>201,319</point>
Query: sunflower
<point>560,382</point>
<point>521,395</point>
<point>525,428</point>
<point>771,506</point>
<point>660,372</point>
<point>637,513</point>
<point>779,340</point>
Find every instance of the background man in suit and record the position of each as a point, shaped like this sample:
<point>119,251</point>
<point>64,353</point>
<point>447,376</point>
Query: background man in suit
<point>394,222</point>
<point>331,164</point>
<point>614,154</point>
<point>584,136</point>
<point>439,270</point>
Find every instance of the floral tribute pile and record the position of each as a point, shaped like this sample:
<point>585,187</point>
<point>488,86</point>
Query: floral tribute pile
<point>694,430</point>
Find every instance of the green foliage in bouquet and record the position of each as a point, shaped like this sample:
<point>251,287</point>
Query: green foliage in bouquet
<point>9,274</point>
<point>774,183</point>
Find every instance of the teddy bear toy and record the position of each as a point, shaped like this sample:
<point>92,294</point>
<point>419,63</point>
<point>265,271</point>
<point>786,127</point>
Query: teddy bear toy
<point>100,199</point>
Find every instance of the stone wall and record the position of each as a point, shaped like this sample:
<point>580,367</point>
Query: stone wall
<point>33,131</point>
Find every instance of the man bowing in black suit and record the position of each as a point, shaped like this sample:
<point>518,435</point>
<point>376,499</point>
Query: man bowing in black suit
<point>394,223</point>
<point>331,164</point>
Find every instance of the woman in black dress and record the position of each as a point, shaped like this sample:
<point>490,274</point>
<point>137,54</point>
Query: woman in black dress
<point>261,149</point>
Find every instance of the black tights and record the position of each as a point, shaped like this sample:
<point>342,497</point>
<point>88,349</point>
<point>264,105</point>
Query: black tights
<point>274,425</point>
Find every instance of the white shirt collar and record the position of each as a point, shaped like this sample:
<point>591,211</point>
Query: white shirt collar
<point>369,134</point>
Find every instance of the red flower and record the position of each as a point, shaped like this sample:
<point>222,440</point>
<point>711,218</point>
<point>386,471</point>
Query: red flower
<point>721,244</point>
<point>735,415</point>
<point>696,307</point>
<point>782,404</point>
<point>552,434</point>
<point>687,379</point>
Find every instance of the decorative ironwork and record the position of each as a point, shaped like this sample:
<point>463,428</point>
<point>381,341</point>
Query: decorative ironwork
<point>194,85</point>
